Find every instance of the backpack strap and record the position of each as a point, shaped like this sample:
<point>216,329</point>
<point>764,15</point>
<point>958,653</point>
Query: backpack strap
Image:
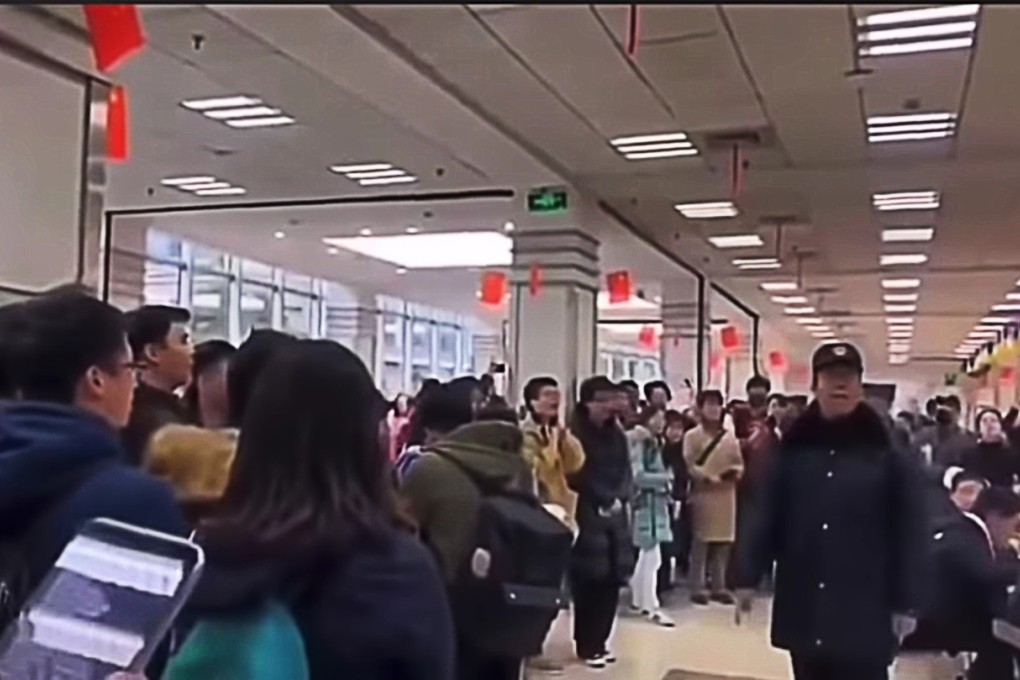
<point>703,457</point>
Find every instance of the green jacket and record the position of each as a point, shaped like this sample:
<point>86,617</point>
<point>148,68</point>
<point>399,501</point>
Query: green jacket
<point>445,501</point>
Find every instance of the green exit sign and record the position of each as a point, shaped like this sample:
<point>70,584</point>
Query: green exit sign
<point>547,201</point>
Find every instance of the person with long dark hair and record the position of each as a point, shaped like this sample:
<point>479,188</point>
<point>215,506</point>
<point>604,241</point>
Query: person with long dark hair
<point>309,519</point>
<point>992,456</point>
<point>205,399</point>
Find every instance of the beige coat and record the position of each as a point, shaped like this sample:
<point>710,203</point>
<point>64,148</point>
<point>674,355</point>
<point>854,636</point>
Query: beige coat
<point>713,501</point>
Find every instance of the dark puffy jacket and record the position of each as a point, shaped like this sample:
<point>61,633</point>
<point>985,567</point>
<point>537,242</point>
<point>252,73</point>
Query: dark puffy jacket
<point>843,516</point>
<point>969,589</point>
<point>603,550</point>
<point>376,611</point>
<point>61,466</point>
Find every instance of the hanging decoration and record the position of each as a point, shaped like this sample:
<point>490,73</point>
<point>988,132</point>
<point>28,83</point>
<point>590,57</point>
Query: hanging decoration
<point>633,31</point>
<point>730,339</point>
<point>116,34</point>
<point>117,139</point>
<point>494,287</point>
<point>716,362</point>
<point>777,362</point>
<point>647,337</point>
<point>1007,376</point>
<point>535,279</point>
<point>736,172</point>
<point>620,286</point>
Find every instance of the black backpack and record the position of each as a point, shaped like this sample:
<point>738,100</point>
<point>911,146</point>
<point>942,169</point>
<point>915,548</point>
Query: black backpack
<point>22,567</point>
<point>509,611</point>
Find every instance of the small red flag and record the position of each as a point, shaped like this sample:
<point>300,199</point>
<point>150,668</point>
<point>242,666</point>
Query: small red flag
<point>729,337</point>
<point>620,286</point>
<point>535,279</point>
<point>646,337</point>
<point>117,125</point>
<point>116,34</point>
<point>493,288</point>
<point>777,361</point>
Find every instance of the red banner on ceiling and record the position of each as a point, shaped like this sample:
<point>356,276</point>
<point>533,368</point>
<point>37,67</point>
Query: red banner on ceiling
<point>620,286</point>
<point>117,141</point>
<point>535,277</point>
<point>494,288</point>
<point>729,338</point>
<point>777,362</point>
<point>646,337</point>
<point>116,34</point>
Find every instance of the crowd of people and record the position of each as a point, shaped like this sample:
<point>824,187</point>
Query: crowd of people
<point>434,537</point>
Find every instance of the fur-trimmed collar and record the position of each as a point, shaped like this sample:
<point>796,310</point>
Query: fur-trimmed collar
<point>862,429</point>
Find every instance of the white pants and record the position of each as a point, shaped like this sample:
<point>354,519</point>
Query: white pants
<point>643,582</point>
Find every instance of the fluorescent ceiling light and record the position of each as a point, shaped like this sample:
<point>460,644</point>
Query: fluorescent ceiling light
<point>373,174</point>
<point>901,335</point>
<point>220,103</point>
<point>907,127</point>
<point>906,200</point>
<point>433,250</point>
<point>899,297</point>
<point>900,309</point>
<point>634,304</point>
<point>899,320</point>
<point>179,181</point>
<point>405,179</point>
<point>736,241</point>
<point>648,155</point>
<point>707,210</point>
<point>889,260</point>
<point>245,112</point>
<point>983,334</point>
<point>365,231</point>
<point>333,250</point>
<point>412,230</point>
<point>647,147</point>
<point>509,227</point>
<point>648,139</point>
<point>270,121</point>
<point>279,234</point>
<point>363,167</point>
<point>983,327</point>
<point>894,284</point>
<point>917,15</point>
<point>230,191</point>
<point>818,328</point>
<point>1013,296</point>
<point>907,235</point>
<point>204,185</point>
<point>741,261</point>
<point>898,358</point>
<point>1006,308</point>
<point>898,349</point>
<point>809,320</point>
<point>919,46</point>
<point>760,265</point>
<point>789,299</point>
<point>777,286</point>
<point>996,320</point>
<point>401,271</point>
<point>660,146</point>
<point>799,310</point>
<point>921,30</point>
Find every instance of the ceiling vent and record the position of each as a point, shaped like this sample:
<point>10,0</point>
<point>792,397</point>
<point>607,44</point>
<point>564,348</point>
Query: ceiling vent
<point>748,138</point>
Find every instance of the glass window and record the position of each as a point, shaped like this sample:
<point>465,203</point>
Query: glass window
<point>297,313</point>
<point>447,338</point>
<point>210,295</point>
<point>256,307</point>
<point>162,246</point>
<point>393,338</point>
<point>162,283</point>
<point>297,282</point>
<point>209,259</point>
<point>421,343</point>
<point>619,368</point>
<point>392,382</point>
<point>418,376</point>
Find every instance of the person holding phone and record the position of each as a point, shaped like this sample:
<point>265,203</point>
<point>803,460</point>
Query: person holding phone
<point>712,454</point>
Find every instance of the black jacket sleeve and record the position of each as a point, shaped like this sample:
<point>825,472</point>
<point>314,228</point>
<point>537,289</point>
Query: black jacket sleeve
<point>912,549</point>
<point>756,555</point>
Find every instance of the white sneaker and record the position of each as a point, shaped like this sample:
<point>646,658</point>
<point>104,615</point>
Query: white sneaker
<point>661,619</point>
<point>608,657</point>
<point>597,662</point>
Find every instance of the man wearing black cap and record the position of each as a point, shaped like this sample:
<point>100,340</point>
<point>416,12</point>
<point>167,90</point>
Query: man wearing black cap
<point>842,516</point>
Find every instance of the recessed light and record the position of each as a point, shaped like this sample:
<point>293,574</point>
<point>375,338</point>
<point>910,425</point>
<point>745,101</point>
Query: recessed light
<point>744,261</point>
<point>895,320</point>
<point>244,112</point>
<point>279,234</point>
<point>983,334</point>
<point>509,227</point>
<point>900,309</point>
<point>799,310</point>
<point>412,230</point>
<point>1006,308</point>
<point>204,185</point>
<point>914,234</point>
<point>648,147</point>
<point>333,250</point>
<point>895,348</point>
<point>707,210</point>
<point>901,335</point>
<point>809,320</point>
<point>818,328</point>
<point>363,167</point>
<point>777,286</point>
<point>898,358</point>
<point>911,127</point>
<point>899,297</point>
<point>996,320</point>
<point>891,260</point>
<point>917,30</point>
<point>405,179</point>
<point>736,241</point>
<point>181,181</point>
<point>401,271</point>
<point>365,231</point>
<point>906,200</point>
<point>894,284</point>
<point>376,174</point>
<point>268,121</point>
<point>760,265</point>
<point>657,299</point>
<point>789,299</point>
<point>230,191</point>
<point>433,250</point>
<point>220,102</point>
<point>824,335</point>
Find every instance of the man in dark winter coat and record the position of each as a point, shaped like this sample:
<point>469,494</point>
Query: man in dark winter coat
<point>842,515</point>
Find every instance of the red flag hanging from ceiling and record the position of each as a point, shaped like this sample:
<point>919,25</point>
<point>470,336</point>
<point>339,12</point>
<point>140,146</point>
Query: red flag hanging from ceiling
<point>729,338</point>
<point>117,146</point>
<point>620,286</point>
<point>116,34</point>
<point>535,277</point>
<point>777,362</point>
<point>646,337</point>
<point>493,288</point>
<point>633,31</point>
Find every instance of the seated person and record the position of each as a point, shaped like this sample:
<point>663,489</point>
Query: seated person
<point>970,584</point>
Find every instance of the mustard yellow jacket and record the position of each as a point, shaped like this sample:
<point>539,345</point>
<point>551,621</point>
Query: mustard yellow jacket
<point>553,453</point>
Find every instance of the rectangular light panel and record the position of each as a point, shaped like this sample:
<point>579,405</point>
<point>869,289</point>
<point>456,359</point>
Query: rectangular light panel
<point>374,174</point>
<point>913,31</point>
<point>707,210</point>
<point>898,284</point>
<point>433,250</point>
<point>909,235</point>
<point>894,259</point>
<point>736,241</point>
<point>906,200</point>
<point>649,147</point>
<point>778,286</point>
<point>900,309</point>
<point>899,297</point>
<point>239,111</point>
<point>911,127</point>
<point>789,299</point>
